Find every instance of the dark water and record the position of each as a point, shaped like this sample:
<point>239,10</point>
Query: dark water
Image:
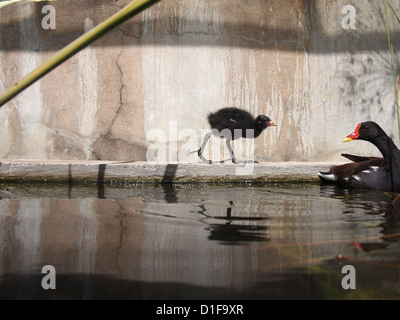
<point>273,241</point>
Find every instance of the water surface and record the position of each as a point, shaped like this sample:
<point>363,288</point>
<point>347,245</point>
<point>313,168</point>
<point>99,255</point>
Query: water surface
<point>272,241</point>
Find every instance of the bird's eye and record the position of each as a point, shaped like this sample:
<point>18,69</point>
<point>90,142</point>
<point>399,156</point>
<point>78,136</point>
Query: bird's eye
<point>367,127</point>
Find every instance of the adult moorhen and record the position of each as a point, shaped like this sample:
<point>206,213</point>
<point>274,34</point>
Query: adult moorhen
<point>233,123</point>
<point>373,173</point>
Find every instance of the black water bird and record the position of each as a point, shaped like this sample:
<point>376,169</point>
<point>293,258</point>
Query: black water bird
<point>233,123</point>
<point>375,173</point>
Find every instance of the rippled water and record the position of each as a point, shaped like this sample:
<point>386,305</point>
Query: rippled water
<point>272,241</point>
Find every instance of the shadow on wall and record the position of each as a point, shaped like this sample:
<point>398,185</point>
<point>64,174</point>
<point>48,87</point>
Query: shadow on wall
<point>167,183</point>
<point>238,30</point>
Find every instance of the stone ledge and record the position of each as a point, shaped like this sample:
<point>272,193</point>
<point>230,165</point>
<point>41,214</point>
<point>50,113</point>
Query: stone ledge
<point>141,172</point>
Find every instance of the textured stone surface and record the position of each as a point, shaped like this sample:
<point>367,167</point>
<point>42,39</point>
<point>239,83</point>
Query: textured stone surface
<point>154,79</point>
<point>137,172</point>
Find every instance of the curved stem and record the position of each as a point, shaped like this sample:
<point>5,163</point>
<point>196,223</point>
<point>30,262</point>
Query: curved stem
<point>83,41</point>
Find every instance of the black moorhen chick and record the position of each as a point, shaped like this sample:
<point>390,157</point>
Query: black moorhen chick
<point>373,173</point>
<point>231,123</point>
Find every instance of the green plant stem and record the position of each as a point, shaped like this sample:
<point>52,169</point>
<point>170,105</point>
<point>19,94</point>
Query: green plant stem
<point>394,12</point>
<point>126,13</point>
<point>6,3</point>
<point>392,61</point>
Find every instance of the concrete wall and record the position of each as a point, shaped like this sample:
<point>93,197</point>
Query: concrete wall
<point>158,76</point>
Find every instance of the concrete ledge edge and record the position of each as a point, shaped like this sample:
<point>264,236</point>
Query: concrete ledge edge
<point>140,172</point>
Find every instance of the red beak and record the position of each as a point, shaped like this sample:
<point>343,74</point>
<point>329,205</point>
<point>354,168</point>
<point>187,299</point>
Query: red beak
<point>353,136</point>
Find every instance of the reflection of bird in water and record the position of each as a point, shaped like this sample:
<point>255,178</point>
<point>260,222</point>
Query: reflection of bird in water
<point>228,215</point>
<point>167,183</point>
<point>385,247</point>
<point>230,232</point>
<point>378,254</point>
<point>368,246</point>
<point>229,212</point>
<point>396,203</point>
<point>235,234</point>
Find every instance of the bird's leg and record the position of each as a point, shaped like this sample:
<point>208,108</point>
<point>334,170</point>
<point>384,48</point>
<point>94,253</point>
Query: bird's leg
<point>228,144</point>
<point>200,151</point>
<point>206,137</point>
<point>229,212</point>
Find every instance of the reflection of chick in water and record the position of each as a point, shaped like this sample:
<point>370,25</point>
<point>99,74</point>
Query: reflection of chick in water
<point>231,232</point>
